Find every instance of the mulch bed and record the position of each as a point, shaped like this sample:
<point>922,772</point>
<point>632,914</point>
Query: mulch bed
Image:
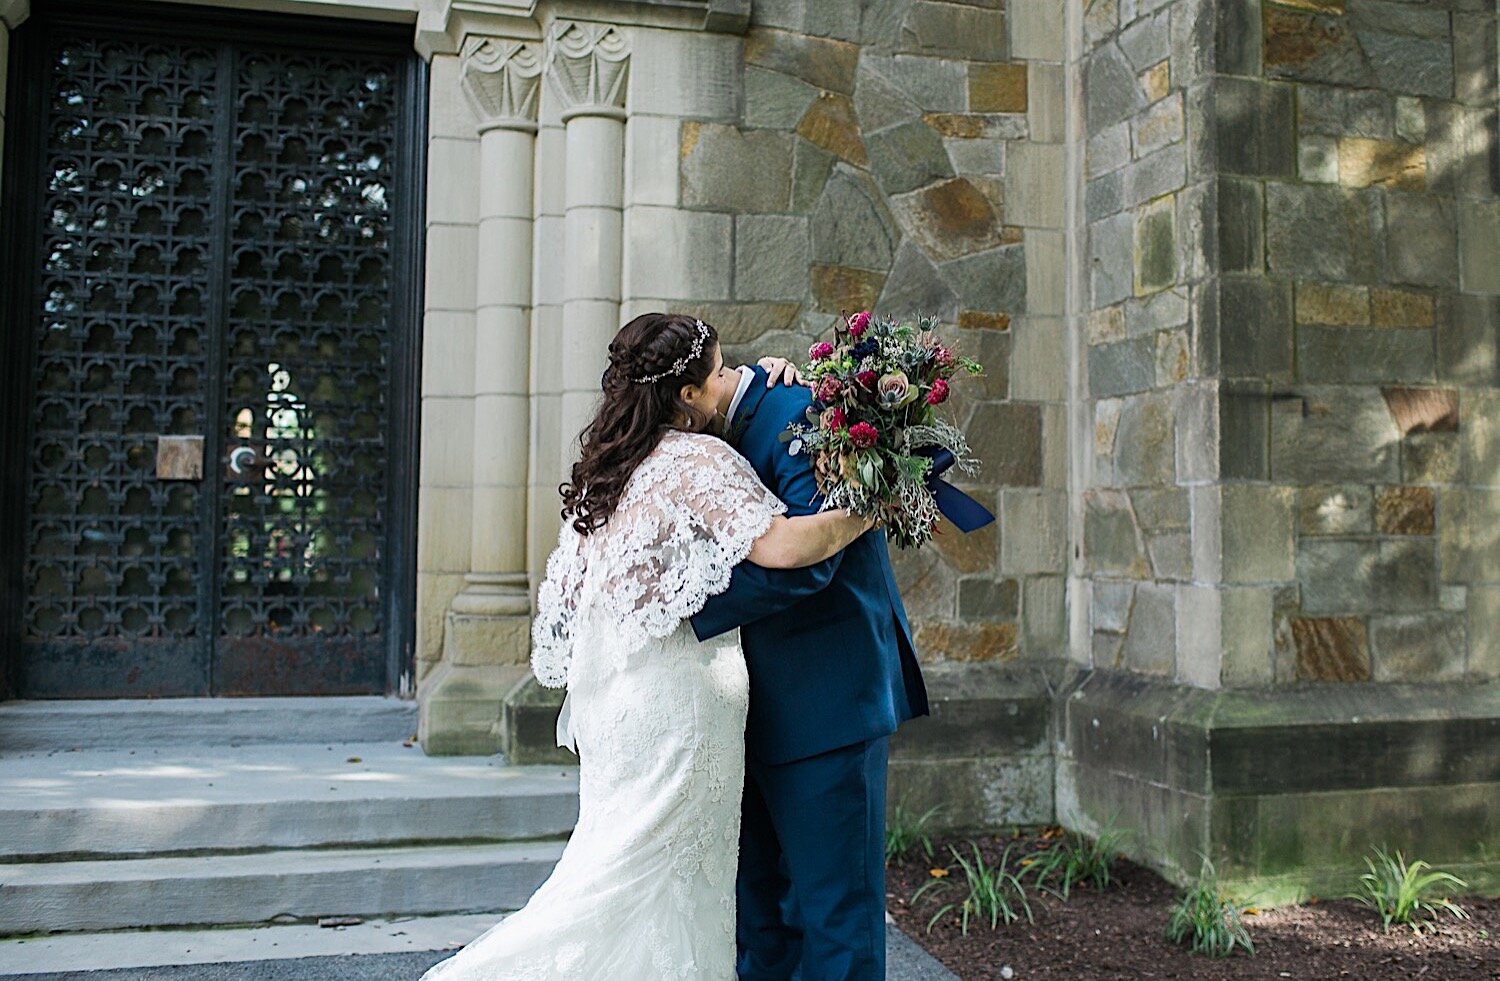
<point>1117,933</point>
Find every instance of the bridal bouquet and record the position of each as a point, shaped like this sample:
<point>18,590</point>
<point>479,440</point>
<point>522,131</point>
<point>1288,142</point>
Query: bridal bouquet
<point>877,440</point>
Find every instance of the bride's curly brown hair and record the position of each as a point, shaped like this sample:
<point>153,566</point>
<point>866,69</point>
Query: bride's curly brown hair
<point>631,415</point>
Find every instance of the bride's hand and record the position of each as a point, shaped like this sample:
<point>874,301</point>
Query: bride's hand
<point>780,369</point>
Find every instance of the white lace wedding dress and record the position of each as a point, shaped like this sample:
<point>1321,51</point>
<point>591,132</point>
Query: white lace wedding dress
<point>645,886</point>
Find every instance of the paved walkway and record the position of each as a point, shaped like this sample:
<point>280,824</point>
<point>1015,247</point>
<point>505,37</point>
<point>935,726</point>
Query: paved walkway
<point>369,953</point>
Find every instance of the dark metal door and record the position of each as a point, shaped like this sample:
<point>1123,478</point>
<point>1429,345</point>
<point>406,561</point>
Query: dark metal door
<point>220,323</point>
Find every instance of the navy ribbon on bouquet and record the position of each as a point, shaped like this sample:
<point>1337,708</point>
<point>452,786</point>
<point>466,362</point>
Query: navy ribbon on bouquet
<point>966,513</point>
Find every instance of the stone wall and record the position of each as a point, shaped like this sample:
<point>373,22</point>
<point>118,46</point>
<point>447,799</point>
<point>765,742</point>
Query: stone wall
<point>906,157</point>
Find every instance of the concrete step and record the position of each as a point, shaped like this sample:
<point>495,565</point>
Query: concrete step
<point>44,897</point>
<point>27,726</point>
<point>173,800</point>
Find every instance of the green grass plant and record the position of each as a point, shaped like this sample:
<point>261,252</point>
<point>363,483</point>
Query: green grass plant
<point>1206,921</point>
<point>987,891</point>
<point>905,831</point>
<point>1407,894</point>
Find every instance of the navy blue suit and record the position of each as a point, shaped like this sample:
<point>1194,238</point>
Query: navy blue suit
<point>832,673</point>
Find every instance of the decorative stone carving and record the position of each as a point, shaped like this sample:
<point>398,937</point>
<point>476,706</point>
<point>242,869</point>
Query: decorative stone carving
<point>502,77</point>
<point>588,65</point>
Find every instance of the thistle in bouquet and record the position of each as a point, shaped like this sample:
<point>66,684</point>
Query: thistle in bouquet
<point>876,423</point>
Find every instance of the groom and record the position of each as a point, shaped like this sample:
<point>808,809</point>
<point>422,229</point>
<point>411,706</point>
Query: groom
<point>832,673</point>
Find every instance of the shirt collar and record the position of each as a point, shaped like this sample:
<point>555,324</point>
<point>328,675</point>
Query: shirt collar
<point>746,377</point>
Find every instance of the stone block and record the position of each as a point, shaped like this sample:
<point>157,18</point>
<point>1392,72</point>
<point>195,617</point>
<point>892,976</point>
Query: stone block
<point>1479,238</point>
<point>976,793</point>
<point>1475,56</point>
<point>1108,150</point>
<point>1034,184</point>
<point>830,123</point>
<point>976,551</point>
<point>915,288</point>
<point>1122,367</point>
<point>991,280</point>
<point>908,156</point>
<point>1325,233</point>
<point>1258,525</point>
<point>878,101</point>
<point>1333,304</point>
<point>1411,119</point>
<point>1111,93</point>
<point>740,323</point>
<point>978,642</point>
<point>1112,542</point>
<point>1039,346</point>
<point>1036,536</point>
<point>1401,308</point>
<point>1312,48</point>
<point>997,87</point>
<point>736,170</point>
<point>1418,647</point>
<point>1405,511</point>
<point>1363,162</point>
<point>1145,446</point>
<point>850,223</point>
<point>811,167</point>
<point>1342,576</point>
<point>1240,226</point>
<point>1105,196</point>
<point>1360,355</point>
<point>1247,636</point>
<point>1036,32</point>
<point>528,725</point>
<point>1461,150</point>
<point>1410,65</point>
<point>1335,509</point>
<point>1101,20</point>
<point>1466,341</point>
<point>1421,241</point>
<point>977,126</point>
<point>1255,128</point>
<point>1255,327</point>
<point>696,77</point>
<point>821,62</point>
<point>1155,251</point>
<point>1431,458</point>
<point>774,100</point>
<point>1333,434</point>
<point>988,599</point>
<point>839,288</point>
<point>680,254</point>
<point>1152,176</point>
<point>1111,271</point>
<point>1150,644</point>
<point>1331,649</point>
<point>1007,436</point>
<point>1046,105</point>
<point>1159,125</point>
<point>771,257</point>
<point>1044,616</point>
<point>952,30</point>
<point>934,84</point>
<point>976,156</point>
<point>1339,111</point>
<point>1318,159</point>
<point>652,176</point>
<point>1483,619</point>
<point>1237,38</point>
<point>1244,431</point>
<point>1046,271</point>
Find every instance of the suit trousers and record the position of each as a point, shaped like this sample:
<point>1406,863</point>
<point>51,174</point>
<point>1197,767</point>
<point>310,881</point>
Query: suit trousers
<point>811,885</point>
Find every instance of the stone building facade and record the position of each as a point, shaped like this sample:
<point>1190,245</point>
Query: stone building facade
<point>1233,270</point>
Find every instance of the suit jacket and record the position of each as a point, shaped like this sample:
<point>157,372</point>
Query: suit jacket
<point>828,647</point>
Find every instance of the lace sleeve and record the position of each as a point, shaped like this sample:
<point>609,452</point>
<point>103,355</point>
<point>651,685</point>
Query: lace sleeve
<point>692,513</point>
<point>556,604</point>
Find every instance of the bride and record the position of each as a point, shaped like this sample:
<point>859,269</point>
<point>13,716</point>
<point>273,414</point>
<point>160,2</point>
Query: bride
<point>657,513</point>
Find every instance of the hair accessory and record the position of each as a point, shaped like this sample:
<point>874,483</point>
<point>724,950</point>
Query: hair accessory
<point>680,365</point>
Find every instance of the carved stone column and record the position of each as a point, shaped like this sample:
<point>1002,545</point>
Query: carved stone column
<point>486,639</point>
<point>588,64</point>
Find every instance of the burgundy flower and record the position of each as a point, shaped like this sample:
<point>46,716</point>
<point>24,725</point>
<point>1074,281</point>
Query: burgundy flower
<point>867,379</point>
<point>833,418</point>
<point>943,356</point>
<point>863,435</point>
<point>820,350</point>
<point>829,388</point>
<point>859,323</point>
<point>939,393</point>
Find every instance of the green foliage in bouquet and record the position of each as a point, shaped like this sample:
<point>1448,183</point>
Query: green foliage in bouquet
<point>875,421</point>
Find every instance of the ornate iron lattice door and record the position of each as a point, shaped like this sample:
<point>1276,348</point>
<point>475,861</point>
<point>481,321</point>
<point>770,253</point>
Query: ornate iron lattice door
<point>220,233</point>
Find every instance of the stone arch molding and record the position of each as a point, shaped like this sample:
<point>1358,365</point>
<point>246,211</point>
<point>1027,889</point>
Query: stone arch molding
<point>588,65</point>
<point>502,79</point>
